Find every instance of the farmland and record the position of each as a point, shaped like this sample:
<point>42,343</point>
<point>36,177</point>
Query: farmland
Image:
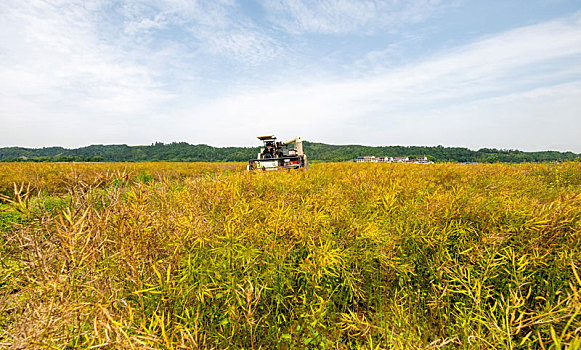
<point>373,256</point>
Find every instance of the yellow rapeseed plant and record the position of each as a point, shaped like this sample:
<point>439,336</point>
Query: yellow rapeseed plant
<point>345,255</point>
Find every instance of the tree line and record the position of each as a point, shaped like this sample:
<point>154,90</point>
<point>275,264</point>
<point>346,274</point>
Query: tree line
<point>184,152</point>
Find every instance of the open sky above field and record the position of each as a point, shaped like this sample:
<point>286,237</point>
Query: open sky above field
<point>474,73</point>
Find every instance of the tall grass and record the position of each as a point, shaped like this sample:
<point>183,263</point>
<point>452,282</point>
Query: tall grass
<point>342,256</point>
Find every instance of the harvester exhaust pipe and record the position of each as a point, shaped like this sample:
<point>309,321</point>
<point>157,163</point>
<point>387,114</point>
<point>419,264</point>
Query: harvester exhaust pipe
<point>298,144</point>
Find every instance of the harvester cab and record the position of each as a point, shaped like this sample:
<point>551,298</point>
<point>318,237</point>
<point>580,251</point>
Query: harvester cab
<point>276,155</point>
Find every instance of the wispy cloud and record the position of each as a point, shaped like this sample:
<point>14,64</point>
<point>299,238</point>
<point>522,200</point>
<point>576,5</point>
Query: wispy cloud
<point>209,27</point>
<point>120,63</point>
<point>83,71</point>
<point>490,79</point>
<point>53,52</point>
<point>348,16</point>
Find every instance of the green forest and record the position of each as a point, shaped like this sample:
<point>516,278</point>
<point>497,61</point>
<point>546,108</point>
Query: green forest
<point>185,152</point>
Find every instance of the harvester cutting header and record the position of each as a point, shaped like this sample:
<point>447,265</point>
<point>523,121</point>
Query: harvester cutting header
<point>276,155</point>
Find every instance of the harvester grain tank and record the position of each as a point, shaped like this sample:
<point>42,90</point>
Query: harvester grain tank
<point>276,155</point>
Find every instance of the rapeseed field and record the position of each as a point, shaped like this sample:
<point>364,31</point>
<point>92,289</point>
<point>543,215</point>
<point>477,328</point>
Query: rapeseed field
<point>343,256</point>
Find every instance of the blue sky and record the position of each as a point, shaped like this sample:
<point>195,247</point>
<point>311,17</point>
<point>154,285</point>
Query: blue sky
<point>503,74</point>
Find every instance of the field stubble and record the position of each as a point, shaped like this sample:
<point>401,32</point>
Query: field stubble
<point>342,256</point>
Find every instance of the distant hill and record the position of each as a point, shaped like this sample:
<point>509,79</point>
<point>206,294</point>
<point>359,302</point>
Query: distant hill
<point>184,152</point>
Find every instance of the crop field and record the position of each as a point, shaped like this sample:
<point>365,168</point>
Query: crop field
<point>343,256</point>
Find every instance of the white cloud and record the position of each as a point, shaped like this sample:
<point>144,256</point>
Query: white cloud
<point>348,16</point>
<point>85,65</point>
<point>53,56</point>
<point>80,72</point>
<point>241,45</point>
<point>544,118</point>
<point>479,88</point>
<point>212,27</point>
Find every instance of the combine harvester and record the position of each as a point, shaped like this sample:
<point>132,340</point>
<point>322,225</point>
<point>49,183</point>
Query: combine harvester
<point>278,156</point>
